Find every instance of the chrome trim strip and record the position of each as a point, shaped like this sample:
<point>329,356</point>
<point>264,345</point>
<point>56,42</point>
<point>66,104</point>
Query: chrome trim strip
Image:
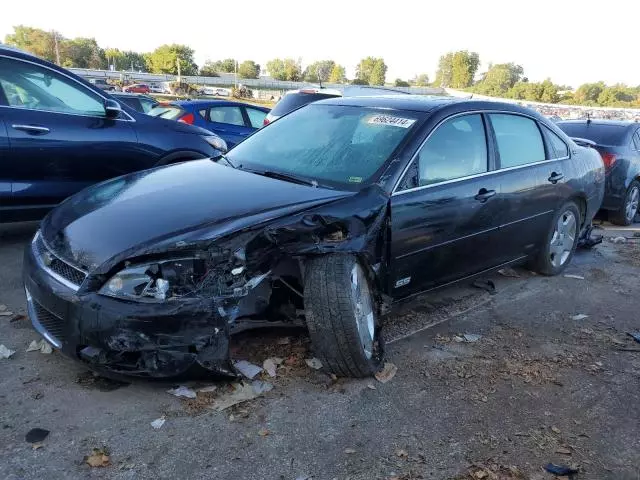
<point>33,316</point>
<point>131,119</point>
<point>395,191</point>
<point>59,278</point>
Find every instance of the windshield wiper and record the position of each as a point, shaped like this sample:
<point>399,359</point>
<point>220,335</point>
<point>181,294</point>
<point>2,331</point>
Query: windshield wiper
<point>287,177</point>
<point>218,157</point>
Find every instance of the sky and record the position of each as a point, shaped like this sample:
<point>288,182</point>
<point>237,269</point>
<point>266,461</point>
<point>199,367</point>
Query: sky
<point>570,41</point>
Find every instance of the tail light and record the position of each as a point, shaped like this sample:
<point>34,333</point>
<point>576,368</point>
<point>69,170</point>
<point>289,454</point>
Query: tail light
<point>188,118</point>
<point>608,159</point>
<point>265,121</point>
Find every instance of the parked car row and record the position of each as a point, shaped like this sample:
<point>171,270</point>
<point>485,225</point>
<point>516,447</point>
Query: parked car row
<point>326,217</point>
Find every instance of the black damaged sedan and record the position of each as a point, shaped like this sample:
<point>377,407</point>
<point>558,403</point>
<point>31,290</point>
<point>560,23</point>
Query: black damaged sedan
<point>325,218</point>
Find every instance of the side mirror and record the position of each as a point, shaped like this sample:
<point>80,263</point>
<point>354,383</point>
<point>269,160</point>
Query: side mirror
<point>112,108</point>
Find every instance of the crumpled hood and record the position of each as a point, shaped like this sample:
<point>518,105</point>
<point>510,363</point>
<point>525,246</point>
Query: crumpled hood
<point>137,211</point>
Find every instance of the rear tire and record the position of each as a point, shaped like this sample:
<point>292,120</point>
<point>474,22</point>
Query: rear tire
<point>560,242</point>
<point>629,206</point>
<point>341,316</point>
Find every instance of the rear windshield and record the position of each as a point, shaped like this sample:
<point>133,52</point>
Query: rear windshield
<point>600,133</point>
<point>170,112</point>
<point>131,101</point>
<point>292,101</point>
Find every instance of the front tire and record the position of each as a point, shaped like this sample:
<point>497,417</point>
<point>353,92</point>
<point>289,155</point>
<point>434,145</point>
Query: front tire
<point>341,316</point>
<point>560,241</point>
<point>629,207</point>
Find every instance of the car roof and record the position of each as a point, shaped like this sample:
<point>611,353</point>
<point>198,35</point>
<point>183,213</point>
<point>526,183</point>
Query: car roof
<point>617,123</point>
<point>425,103</point>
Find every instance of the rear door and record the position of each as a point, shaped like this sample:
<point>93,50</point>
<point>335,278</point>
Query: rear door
<point>228,122</point>
<point>254,117</point>
<point>60,139</point>
<point>531,183</point>
<point>5,172</point>
<point>446,212</point>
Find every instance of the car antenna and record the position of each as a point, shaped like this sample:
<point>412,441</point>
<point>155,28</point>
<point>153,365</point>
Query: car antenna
<point>588,118</point>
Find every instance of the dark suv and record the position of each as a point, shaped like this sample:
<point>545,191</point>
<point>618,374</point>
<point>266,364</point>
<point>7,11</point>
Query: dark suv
<point>619,145</point>
<point>59,134</point>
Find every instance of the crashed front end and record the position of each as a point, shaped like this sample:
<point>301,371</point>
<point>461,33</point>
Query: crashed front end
<point>171,308</point>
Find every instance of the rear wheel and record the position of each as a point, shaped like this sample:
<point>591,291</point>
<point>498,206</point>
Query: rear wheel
<point>629,207</point>
<point>560,242</point>
<point>341,316</point>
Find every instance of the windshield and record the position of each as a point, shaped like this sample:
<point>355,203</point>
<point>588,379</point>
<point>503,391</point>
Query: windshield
<point>170,112</point>
<point>336,145</point>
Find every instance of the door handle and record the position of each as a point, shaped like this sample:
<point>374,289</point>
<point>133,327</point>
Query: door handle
<point>555,177</point>
<point>34,129</point>
<point>484,195</point>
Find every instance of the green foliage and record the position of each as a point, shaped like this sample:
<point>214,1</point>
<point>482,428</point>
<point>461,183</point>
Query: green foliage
<point>421,80</point>
<point>287,69</point>
<point>209,69</point>
<point>357,81</point>
<point>457,69</point>
<point>228,65</point>
<point>249,69</point>
<point>165,58</point>
<point>401,83</point>
<point>35,41</point>
<point>371,71</point>
<point>82,53</point>
<point>133,61</point>
<point>338,74</point>
<point>319,71</point>
<point>114,57</point>
<point>545,92</point>
<point>499,79</point>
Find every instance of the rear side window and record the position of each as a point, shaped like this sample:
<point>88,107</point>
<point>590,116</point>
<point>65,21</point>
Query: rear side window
<point>602,134</point>
<point>518,138</point>
<point>457,148</point>
<point>636,140</point>
<point>170,112</point>
<point>558,147</point>
<point>292,101</point>
<point>256,117</point>
<point>229,114</point>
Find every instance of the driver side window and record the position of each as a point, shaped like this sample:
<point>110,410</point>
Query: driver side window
<point>32,87</point>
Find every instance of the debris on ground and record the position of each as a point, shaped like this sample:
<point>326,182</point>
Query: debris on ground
<point>99,457</point>
<point>158,422</point>
<point>284,341</point>
<point>91,379</point>
<point>270,366</point>
<point>579,316</point>
<point>209,389</point>
<point>387,373</point>
<point>401,453</point>
<point>247,369</point>
<point>486,285</point>
<point>509,272</point>
<point>182,391</point>
<point>491,471</point>
<point>5,352</point>
<point>4,311</point>
<point>564,450</point>
<point>313,363</point>
<point>241,392</point>
<point>471,337</point>
<point>36,435</point>
<point>263,432</point>
<point>349,451</point>
<point>571,275</point>
<point>560,470</point>
<point>260,387</point>
<point>635,336</point>
<point>617,240</point>
<point>41,345</point>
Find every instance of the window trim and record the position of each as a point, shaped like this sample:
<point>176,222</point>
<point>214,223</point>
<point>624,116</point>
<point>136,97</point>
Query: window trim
<point>248,117</point>
<point>545,131</point>
<point>493,168</point>
<point>80,84</point>
<point>545,143</point>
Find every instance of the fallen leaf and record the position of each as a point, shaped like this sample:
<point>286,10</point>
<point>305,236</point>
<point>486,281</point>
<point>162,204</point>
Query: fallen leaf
<point>508,272</point>
<point>387,373</point>
<point>269,366</point>
<point>313,363</point>
<point>349,451</point>
<point>263,432</point>
<point>555,430</point>
<point>563,450</point>
<point>98,458</point>
<point>371,386</point>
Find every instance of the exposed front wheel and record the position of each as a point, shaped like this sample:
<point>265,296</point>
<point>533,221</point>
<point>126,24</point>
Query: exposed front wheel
<point>341,316</point>
<point>627,211</point>
<point>560,242</point>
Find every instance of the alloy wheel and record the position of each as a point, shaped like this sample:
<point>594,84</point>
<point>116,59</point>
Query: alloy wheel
<point>563,239</point>
<point>363,309</point>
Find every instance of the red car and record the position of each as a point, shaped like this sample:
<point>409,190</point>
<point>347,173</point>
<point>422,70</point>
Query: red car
<point>137,88</point>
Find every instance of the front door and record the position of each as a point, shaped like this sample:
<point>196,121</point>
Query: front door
<point>60,139</point>
<point>446,212</point>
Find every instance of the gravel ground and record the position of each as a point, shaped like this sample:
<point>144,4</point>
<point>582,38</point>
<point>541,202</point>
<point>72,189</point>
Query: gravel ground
<point>542,383</point>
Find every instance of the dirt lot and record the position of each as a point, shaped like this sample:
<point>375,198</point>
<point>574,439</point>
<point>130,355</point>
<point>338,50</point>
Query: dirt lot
<point>542,383</point>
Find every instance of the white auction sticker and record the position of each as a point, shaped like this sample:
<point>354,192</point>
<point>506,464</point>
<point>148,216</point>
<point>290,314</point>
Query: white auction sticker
<point>391,120</point>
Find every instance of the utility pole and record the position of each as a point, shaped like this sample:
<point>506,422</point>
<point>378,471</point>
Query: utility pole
<point>55,41</point>
<point>235,73</point>
<point>178,65</point>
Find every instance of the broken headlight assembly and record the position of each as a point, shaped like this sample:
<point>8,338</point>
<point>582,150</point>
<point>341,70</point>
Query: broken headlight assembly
<point>156,282</point>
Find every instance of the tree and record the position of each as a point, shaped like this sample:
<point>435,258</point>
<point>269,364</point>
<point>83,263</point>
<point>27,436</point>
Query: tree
<point>338,74</point>
<point>421,80</point>
<point>457,69</point>
<point>134,61</point>
<point>165,58</point>
<point>228,65</point>
<point>372,71</point>
<point>444,72</point>
<point>35,41</point>
<point>287,69</point>
<point>114,57</point>
<point>249,69</point>
<point>618,95</point>
<point>319,71</point>
<point>499,79</point>
<point>208,69</point>
<point>83,53</point>
<point>589,93</point>
<point>401,83</point>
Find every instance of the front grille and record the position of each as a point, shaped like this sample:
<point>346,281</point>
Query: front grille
<point>57,266</point>
<point>53,324</point>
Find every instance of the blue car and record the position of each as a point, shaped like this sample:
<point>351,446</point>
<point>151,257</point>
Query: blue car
<point>60,134</point>
<point>233,121</point>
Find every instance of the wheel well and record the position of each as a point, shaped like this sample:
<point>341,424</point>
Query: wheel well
<point>582,206</point>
